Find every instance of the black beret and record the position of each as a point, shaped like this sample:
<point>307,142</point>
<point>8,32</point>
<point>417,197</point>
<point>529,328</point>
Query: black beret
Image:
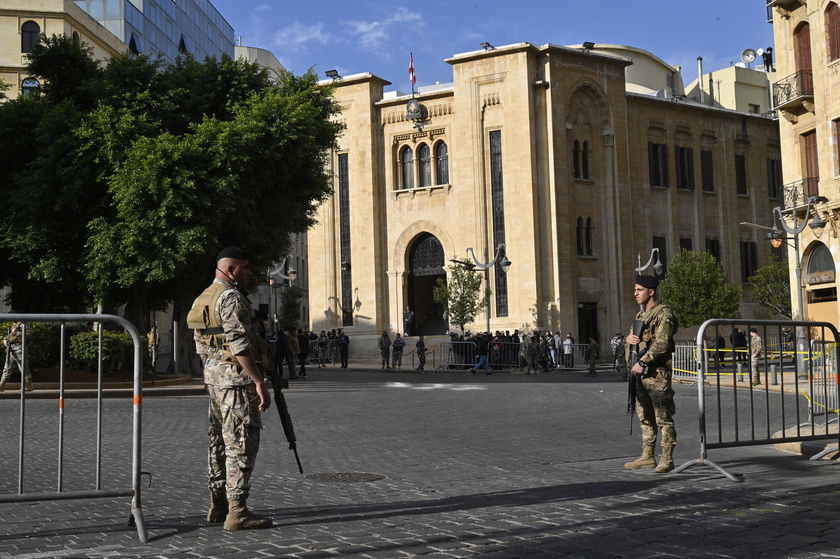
<point>233,252</point>
<point>649,282</point>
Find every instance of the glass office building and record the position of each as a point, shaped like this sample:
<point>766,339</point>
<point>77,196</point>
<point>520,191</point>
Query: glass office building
<point>165,27</point>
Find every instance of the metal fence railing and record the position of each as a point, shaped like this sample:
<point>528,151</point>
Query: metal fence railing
<point>506,355</point>
<point>734,413</point>
<point>38,452</point>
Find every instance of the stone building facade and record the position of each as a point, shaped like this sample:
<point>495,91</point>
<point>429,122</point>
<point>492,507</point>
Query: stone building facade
<point>807,97</point>
<point>550,152</point>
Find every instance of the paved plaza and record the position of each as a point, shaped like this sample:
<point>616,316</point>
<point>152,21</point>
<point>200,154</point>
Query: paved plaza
<point>399,464</point>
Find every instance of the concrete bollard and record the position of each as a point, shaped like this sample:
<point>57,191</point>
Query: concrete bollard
<point>774,380</point>
<point>740,372</point>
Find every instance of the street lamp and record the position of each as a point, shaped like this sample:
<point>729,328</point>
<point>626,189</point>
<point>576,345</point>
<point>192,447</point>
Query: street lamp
<point>657,266</point>
<point>793,230</point>
<point>501,260</point>
<point>278,271</point>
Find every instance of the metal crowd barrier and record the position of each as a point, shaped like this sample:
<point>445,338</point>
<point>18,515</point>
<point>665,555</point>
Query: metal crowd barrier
<point>733,414</point>
<point>135,516</point>
<point>330,352</point>
<point>503,355</point>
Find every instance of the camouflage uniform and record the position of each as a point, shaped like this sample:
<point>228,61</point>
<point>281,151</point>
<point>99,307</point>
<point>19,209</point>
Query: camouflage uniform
<point>654,395</point>
<point>420,349</point>
<point>234,415</point>
<point>756,352</point>
<point>396,356</point>
<point>14,357</point>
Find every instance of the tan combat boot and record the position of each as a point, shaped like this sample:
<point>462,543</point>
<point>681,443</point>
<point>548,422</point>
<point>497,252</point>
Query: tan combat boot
<point>240,518</point>
<point>2,386</point>
<point>646,460</point>
<point>666,464</point>
<point>218,507</point>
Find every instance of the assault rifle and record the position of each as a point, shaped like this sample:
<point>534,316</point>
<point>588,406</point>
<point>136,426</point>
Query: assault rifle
<point>638,328</point>
<point>278,384</point>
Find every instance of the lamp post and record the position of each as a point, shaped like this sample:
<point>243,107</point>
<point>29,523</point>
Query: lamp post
<point>292,275</point>
<point>793,230</point>
<point>502,260</point>
<point>657,266</point>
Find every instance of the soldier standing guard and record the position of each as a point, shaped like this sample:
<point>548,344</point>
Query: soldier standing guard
<point>652,374</point>
<point>756,352</point>
<point>231,344</point>
<point>14,358</point>
<point>420,349</point>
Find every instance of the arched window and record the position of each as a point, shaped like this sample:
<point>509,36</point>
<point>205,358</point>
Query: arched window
<point>580,236</point>
<point>29,33</point>
<point>588,237</point>
<point>424,154</point>
<point>30,86</point>
<point>76,39</point>
<point>802,43</point>
<point>584,161</point>
<point>407,162</point>
<point>442,163</point>
<point>820,260</point>
<point>832,16</point>
<point>576,159</point>
<point>821,276</point>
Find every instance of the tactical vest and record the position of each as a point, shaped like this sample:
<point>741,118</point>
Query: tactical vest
<point>203,317</point>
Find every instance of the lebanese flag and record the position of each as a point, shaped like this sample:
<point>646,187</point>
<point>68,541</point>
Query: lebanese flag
<point>411,75</point>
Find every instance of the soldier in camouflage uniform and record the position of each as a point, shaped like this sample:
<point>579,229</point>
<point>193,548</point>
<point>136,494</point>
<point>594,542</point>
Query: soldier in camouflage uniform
<point>756,352</point>
<point>652,373</point>
<point>14,358</point>
<point>227,338</point>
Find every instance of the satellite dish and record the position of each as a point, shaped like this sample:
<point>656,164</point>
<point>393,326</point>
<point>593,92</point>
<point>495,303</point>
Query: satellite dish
<point>740,65</point>
<point>759,52</point>
<point>748,56</point>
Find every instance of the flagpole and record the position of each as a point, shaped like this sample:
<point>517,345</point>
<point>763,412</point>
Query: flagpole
<point>411,75</point>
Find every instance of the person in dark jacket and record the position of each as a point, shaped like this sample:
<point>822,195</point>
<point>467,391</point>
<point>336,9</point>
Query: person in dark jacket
<point>303,340</point>
<point>343,347</point>
<point>482,349</point>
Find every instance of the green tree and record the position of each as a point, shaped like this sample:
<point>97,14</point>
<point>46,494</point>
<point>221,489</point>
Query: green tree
<point>697,289</point>
<point>290,308</point>
<point>461,295</point>
<point>124,180</point>
<point>770,287</point>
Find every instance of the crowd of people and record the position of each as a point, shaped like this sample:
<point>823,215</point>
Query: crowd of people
<point>534,352</point>
<point>297,349</point>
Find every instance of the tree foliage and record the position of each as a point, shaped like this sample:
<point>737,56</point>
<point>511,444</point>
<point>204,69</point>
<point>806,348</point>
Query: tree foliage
<point>461,295</point>
<point>290,308</point>
<point>697,289</point>
<point>124,179</point>
<point>770,287</point>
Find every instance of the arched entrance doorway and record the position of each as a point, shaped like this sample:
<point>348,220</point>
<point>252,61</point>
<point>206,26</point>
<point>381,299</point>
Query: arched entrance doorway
<point>426,261</point>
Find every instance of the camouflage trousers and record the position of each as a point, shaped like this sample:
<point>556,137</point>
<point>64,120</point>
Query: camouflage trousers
<point>235,425</point>
<point>14,362</point>
<point>655,407</point>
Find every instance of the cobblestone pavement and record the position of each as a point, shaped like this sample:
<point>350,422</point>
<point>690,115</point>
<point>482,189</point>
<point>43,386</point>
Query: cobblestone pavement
<point>502,466</point>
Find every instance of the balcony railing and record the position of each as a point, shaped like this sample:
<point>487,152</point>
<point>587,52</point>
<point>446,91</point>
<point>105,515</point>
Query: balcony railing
<point>793,88</point>
<point>797,193</point>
